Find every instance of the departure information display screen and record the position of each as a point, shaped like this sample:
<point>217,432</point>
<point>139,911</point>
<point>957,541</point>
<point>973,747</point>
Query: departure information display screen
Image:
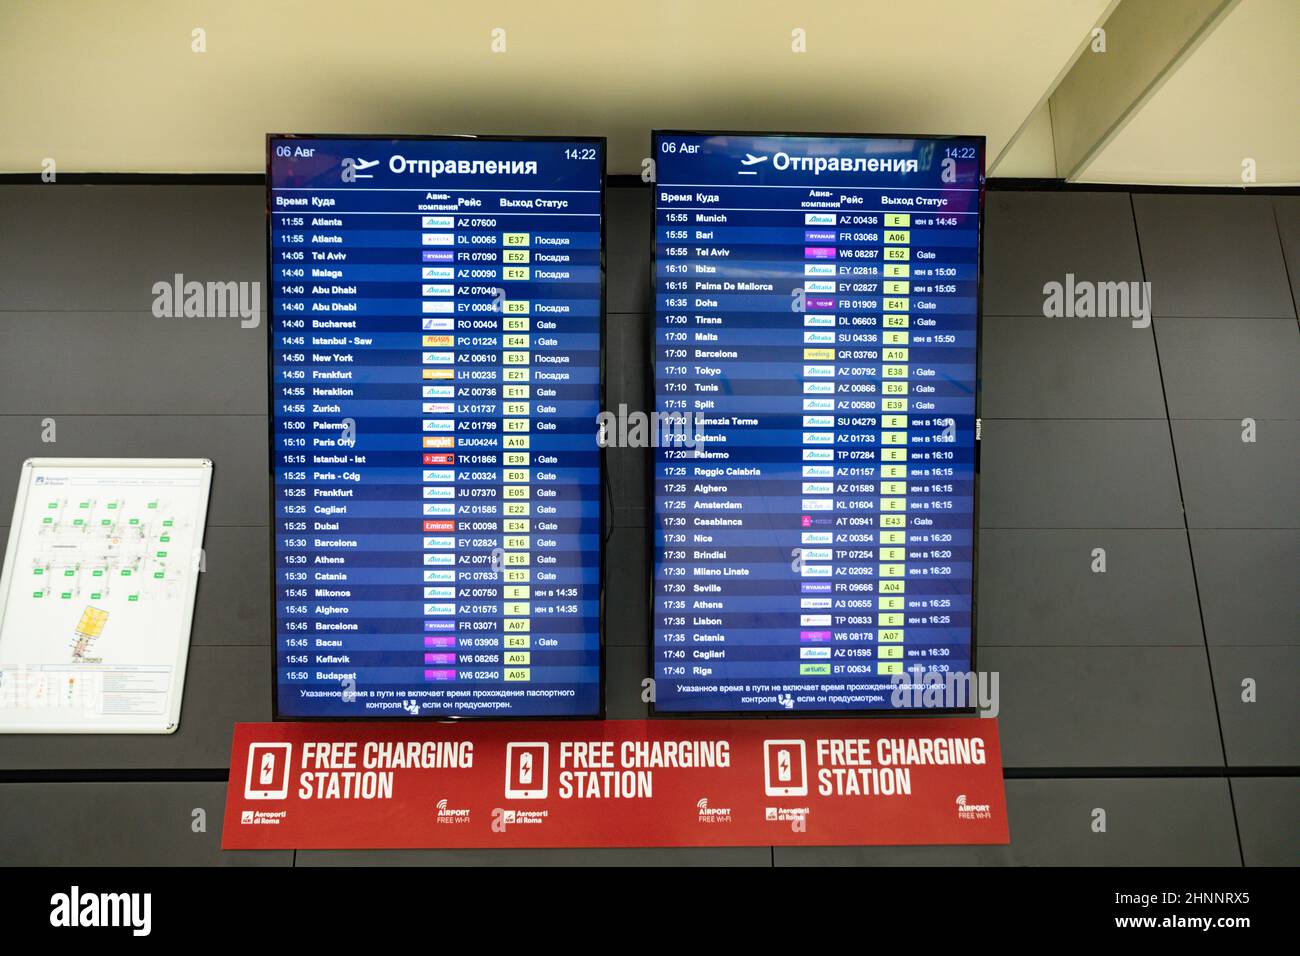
<point>435,381</point>
<point>816,330</point>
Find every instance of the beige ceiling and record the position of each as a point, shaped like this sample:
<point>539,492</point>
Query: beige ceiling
<point>1236,97</point>
<point>113,85</point>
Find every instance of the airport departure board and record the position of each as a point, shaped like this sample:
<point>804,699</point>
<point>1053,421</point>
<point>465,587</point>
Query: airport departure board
<point>435,380</point>
<point>816,334</point>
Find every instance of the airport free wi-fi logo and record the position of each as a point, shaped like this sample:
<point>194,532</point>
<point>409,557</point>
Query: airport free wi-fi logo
<point>451,815</point>
<point>972,811</point>
<point>708,814</point>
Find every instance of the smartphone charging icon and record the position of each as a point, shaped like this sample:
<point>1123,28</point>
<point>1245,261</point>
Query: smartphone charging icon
<point>526,770</point>
<point>785,768</point>
<point>268,771</point>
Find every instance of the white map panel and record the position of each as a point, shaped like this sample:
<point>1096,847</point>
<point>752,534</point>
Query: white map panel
<point>97,595</point>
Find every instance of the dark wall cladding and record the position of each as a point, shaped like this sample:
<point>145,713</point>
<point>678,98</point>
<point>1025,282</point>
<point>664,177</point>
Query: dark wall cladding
<point>1098,435</point>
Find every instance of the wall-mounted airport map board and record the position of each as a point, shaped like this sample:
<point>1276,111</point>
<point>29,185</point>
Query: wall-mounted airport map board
<point>817,318</point>
<point>97,595</point>
<point>436,377</point>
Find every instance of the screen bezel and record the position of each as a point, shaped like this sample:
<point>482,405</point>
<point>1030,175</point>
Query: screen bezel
<point>652,386</point>
<point>603,480</point>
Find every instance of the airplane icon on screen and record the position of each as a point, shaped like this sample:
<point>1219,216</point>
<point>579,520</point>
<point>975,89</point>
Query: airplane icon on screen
<point>357,165</point>
<point>751,160</point>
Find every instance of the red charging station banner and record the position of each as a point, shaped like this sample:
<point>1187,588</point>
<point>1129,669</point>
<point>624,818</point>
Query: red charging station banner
<point>615,783</point>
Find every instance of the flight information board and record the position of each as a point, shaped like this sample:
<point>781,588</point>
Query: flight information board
<point>816,335</point>
<point>436,333</point>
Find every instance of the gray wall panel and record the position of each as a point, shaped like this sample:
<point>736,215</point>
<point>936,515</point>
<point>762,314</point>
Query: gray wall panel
<point>628,235</point>
<point>1077,474</point>
<point>872,856</point>
<point>627,588</point>
<point>129,363</point>
<point>1097,671</point>
<point>626,469</point>
<point>1264,732</point>
<point>632,856</point>
<point>237,445</point>
<point>627,361</point>
<point>1268,818</point>
<point>1068,368</point>
<point>1250,592</point>
<point>1038,588</point>
<point>628,374</point>
<point>75,248</point>
<point>233,605</point>
<point>118,824</point>
<point>223,685</point>
<point>1229,483</point>
<point>626,667</point>
<point>1230,368</point>
<point>1286,212</point>
<point>1105,706</point>
<point>1213,256</point>
<point>1034,238</point>
<point>1157,822</point>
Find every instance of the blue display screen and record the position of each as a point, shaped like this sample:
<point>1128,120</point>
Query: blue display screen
<point>816,332</point>
<point>435,380</point>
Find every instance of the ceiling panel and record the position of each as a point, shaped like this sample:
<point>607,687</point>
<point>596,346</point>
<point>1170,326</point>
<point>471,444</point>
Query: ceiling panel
<point>1235,97</point>
<point>116,87</point>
